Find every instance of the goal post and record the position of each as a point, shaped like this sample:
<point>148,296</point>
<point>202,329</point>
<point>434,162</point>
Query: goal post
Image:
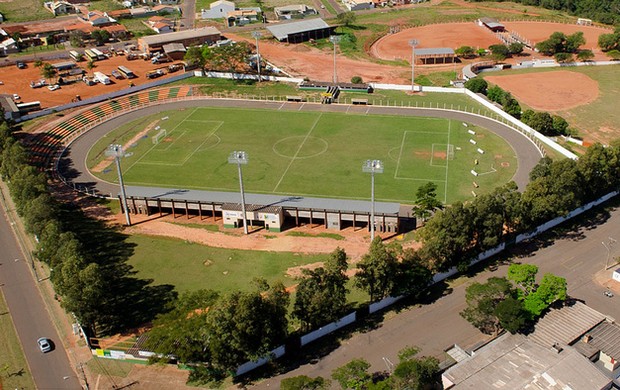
<point>157,137</point>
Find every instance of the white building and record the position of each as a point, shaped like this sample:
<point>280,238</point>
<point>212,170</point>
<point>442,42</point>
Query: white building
<point>218,9</point>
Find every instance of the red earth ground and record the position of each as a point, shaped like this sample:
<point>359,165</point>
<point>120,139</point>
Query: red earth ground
<point>549,91</point>
<point>18,81</point>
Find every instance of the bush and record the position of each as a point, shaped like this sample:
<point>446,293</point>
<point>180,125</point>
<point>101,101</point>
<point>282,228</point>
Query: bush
<point>357,80</point>
<point>477,85</point>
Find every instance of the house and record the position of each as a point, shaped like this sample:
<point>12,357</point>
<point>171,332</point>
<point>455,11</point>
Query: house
<point>166,2</point>
<point>119,14</point>
<point>60,7</point>
<point>117,31</point>
<point>141,12</point>
<point>166,9</point>
<point>295,11</point>
<point>8,46</point>
<point>218,9</point>
<point>241,17</point>
<point>96,18</point>
<point>358,5</point>
<point>196,36</point>
<point>160,25</point>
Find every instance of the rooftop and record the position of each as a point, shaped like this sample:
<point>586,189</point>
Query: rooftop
<point>301,202</point>
<point>180,35</point>
<point>283,30</point>
<point>606,337</point>
<point>434,50</point>
<point>565,325</point>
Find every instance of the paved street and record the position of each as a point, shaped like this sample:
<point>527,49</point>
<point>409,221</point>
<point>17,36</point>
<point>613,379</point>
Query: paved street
<point>51,370</point>
<point>578,256</point>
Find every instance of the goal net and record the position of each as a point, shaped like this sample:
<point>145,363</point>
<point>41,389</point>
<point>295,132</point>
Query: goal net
<point>157,137</point>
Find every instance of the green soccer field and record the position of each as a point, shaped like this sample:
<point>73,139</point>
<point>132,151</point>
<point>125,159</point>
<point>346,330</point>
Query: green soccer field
<point>307,153</point>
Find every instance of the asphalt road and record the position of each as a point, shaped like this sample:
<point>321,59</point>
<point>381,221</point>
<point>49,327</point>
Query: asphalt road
<point>577,256</point>
<point>30,315</point>
<point>75,159</point>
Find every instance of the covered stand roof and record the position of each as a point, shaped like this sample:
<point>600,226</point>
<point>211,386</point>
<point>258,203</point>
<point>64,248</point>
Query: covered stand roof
<point>283,30</point>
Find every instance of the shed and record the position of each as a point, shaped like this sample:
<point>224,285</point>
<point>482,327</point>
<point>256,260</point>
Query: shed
<point>616,275</point>
<point>435,55</point>
<point>301,31</point>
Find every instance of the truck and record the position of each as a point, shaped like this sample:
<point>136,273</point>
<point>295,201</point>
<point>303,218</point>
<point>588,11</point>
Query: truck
<point>102,78</point>
<point>154,74</point>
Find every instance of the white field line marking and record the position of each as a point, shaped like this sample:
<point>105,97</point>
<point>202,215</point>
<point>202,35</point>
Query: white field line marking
<point>151,148</point>
<point>298,150</point>
<point>445,195</point>
<point>402,145</point>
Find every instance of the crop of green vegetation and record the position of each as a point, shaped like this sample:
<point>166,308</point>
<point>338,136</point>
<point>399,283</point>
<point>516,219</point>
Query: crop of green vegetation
<point>309,153</point>
<point>14,371</point>
<point>189,266</point>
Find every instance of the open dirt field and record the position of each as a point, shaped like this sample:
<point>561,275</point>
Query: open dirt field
<point>18,81</point>
<point>452,35</point>
<point>550,91</point>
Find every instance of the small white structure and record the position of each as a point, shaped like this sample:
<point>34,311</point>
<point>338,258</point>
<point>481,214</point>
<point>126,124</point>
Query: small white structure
<point>584,22</point>
<point>218,9</point>
<point>358,5</point>
<point>294,11</point>
<point>60,7</point>
<point>8,46</point>
<point>102,78</point>
<point>616,275</point>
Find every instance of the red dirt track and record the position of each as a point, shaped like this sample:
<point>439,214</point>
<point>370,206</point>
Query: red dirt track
<point>550,91</point>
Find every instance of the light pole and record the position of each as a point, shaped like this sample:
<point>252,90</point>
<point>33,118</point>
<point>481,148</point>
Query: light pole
<point>116,151</point>
<point>413,43</point>
<point>240,157</point>
<point>610,244</point>
<point>335,39</point>
<point>257,35</point>
<point>372,167</point>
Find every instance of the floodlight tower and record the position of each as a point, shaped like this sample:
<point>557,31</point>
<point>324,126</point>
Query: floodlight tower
<point>117,152</point>
<point>372,167</point>
<point>335,39</point>
<point>240,157</point>
<point>257,35</point>
<point>413,43</point>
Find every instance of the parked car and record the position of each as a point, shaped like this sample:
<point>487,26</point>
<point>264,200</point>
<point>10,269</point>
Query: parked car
<point>16,97</point>
<point>608,294</point>
<point>117,75</point>
<point>53,87</point>
<point>20,65</point>
<point>44,344</point>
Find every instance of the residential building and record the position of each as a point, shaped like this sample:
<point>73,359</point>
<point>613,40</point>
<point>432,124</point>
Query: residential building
<point>60,7</point>
<point>166,2</point>
<point>294,11</point>
<point>160,25</point>
<point>241,17</point>
<point>358,5</point>
<point>8,46</point>
<point>166,9</point>
<point>218,9</point>
<point>141,12</point>
<point>96,18</point>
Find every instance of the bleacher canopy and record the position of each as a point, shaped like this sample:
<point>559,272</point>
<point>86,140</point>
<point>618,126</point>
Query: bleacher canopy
<point>301,31</point>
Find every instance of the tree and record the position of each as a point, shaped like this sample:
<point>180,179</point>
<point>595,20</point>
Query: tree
<point>426,200</point>
<point>228,58</point>
<point>376,271</point>
<point>524,276</point>
<point>515,48</point>
<point>539,121</point>
<point>412,373</point>
<point>511,106</point>
<point>346,18</point>
<point>101,37</point>
<point>413,275</point>
<point>465,52</point>
<point>247,325</point>
<point>600,170</point>
<point>511,314</point>
<point>48,71</point>
<point>496,94</point>
<point>563,57</point>
<point>356,80</point>
<point>585,55</point>
<point>614,54</point>
<point>90,65</point>
<point>38,63</point>
<point>551,289</point>
<point>487,218</point>
<point>609,42</point>
<point>194,57</point>
<point>182,332</point>
<point>499,52</point>
<point>477,85</point>
<point>76,38</point>
<point>560,126</point>
<point>574,42</point>
<point>482,299</point>
<point>321,295</point>
<point>353,375</point>
<point>303,382</point>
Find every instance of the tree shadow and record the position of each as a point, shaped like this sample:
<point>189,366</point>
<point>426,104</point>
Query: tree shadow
<point>128,301</point>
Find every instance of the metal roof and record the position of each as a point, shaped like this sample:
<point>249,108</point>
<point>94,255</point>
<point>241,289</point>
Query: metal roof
<point>434,50</point>
<point>283,30</point>
<point>606,337</point>
<point>179,35</point>
<point>300,202</point>
<point>566,324</point>
<point>515,362</point>
<point>252,207</point>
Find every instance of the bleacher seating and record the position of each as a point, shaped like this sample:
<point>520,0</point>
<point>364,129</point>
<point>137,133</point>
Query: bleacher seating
<point>44,145</point>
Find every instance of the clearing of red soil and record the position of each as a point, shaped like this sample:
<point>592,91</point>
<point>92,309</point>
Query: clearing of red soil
<point>453,35</point>
<point>550,91</point>
<point>304,61</point>
<point>18,81</point>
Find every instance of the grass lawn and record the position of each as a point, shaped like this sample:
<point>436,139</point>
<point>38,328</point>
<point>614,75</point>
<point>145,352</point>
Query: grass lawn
<point>14,371</point>
<point>602,115</point>
<point>110,367</point>
<point>309,153</point>
<point>136,26</point>
<point>24,10</point>
<point>190,267</point>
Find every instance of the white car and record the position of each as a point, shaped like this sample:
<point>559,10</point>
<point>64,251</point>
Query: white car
<point>44,344</point>
<point>16,96</point>
<point>53,87</point>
